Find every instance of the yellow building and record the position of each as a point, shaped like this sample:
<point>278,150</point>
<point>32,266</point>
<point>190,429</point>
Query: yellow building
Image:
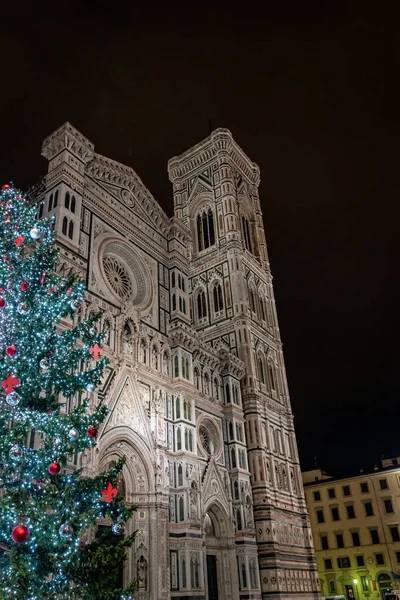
<point>355,524</point>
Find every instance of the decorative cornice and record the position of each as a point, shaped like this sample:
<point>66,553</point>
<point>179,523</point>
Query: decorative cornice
<point>220,142</point>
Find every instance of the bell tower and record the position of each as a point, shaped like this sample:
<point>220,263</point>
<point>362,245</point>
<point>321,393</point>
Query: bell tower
<point>233,309</point>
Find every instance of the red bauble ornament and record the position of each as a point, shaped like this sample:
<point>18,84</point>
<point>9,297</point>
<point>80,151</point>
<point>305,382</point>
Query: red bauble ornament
<point>11,350</point>
<point>92,432</point>
<point>24,286</point>
<point>20,534</point>
<point>2,303</point>
<point>5,186</point>
<point>54,468</point>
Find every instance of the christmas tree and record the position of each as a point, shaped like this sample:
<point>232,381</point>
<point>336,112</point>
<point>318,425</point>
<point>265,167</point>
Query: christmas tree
<point>48,510</point>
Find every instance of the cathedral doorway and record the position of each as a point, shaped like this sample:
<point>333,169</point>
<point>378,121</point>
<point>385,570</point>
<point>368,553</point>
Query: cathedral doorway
<point>212,553</point>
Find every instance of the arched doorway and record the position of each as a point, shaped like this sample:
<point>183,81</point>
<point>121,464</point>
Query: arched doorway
<point>220,554</point>
<point>384,584</point>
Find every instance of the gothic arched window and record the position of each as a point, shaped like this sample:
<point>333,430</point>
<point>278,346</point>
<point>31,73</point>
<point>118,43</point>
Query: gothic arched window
<point>227,393</point>
<point>194,572</point>
<point>190,440</point>
<point>233,458</point>
<point>64,226</point>
<point>181,510</point>
<point>73,204</point>
<point>261,370</point>
<point>173,302</point>
<point>238,520</point>
<point>176,366</point>
<point>183,569</point>
<point>218,299</point>
<point>205,230</point>
<point>67,200</point>
<point>50,207</point>
<point>252,300</point>
<point>271,374</point>
<point>236,490</point>
<point>178,408</point>
<point>55,199</point>
<point>180,475</point>
<point>71,230</point>
<point>253,576</point>
<point>247,234</point>
<point>178,439</point>
<point>201,305</point>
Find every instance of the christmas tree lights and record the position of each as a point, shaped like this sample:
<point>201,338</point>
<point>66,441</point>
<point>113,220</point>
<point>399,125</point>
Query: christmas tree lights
<point>47,509</point>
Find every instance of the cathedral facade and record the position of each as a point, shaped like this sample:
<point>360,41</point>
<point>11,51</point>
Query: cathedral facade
<point>196,382</point>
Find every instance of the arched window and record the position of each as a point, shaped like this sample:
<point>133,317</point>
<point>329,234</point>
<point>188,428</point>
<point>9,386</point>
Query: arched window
<point>173,302</point>
<point>176,366</point>
<point>64,226</point>
<point>180,303</point>
<point>181,509</point>
<point>271,374</point>
<point>194,572</point>
<point>186,439</point>
<point>183,284</point>
<point>184,306</point>
<point>178,439</point>
<point>239,432</point>
<point>184,409</point>
<point>173,279</point>
<point>71,230</point>
<point>235,394</point>
<point>218,300</point>
<point>252,300</point>
<point>40,211</point>
<point>244,575</point>
<point>178,408</point>
<point>189,412</point>
<point>205,230</point>
<point>238,520</point>
<point>73,204</point>
<point>190,440</point>
<point>227,393</point>
<point>263,312</point>
<point>55,199</point>
<point>50,207</point>
<point>236,490</point>
<point>253,576</point>
<point>261,372</point>
<point>201,305</point>
<point>180,475</point>
<point>67,200</point>
<point>183,569</point>
<point>231,436</point>
<point>246,234</point>
<point>233,458</point>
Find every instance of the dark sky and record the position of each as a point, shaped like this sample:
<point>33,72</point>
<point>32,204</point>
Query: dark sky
<point>310,91</point>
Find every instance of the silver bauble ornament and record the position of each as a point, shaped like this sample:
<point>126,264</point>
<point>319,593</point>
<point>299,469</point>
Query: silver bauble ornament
<point>13,399</point>
<point>16,452</point>
<point>73,434</point>
<point>118,528</point>
<point>23,309</point>
<point>74,304</point>
<point>35,233</point>
<point>66,530</point>
<point>90,387</point>
<point>44,364</point>
<point>92,331</point>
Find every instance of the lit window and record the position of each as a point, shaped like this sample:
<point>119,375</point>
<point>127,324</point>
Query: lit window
<point>205,230</point>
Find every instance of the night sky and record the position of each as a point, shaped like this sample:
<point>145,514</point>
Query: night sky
<point>310,91</point>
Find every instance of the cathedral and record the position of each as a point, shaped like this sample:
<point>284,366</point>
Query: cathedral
<point>196,386</point>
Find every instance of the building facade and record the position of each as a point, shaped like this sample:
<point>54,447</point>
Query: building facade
<point>355,524</point>
<point>196,382</point>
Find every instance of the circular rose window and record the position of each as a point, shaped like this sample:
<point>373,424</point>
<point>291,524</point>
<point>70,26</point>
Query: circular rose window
<point>118,277</point>
<point>209,438</point>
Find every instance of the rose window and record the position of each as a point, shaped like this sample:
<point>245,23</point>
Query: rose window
<point>117,277</point>
<point>204,438</point>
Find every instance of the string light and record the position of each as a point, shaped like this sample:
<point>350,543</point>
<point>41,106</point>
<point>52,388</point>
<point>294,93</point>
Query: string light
<point>45,510</point>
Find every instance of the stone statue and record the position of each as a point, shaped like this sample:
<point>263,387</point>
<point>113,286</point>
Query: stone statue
<point>142,573</point>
